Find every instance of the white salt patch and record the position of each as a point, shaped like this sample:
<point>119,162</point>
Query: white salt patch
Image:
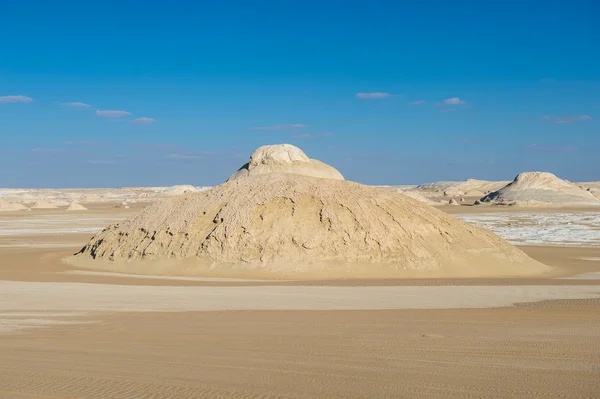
<point>563,228</point>
<point>592,259</point>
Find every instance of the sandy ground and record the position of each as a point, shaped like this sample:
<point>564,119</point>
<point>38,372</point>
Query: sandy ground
<point>68,333</point>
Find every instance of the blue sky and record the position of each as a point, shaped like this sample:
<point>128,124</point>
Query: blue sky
<point>389,92</point>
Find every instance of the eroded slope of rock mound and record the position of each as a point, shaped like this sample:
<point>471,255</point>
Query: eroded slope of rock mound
<point>284,158</point>
<point>539,189</point>
<point>284,225</point>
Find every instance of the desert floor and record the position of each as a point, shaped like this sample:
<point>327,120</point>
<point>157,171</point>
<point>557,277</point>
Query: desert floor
<point>68,333</point>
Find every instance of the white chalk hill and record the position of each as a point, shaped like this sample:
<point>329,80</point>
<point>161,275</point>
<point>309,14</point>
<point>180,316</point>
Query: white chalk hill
<point>285,158</point>
<point>285,225</point>
<point>539,189</point>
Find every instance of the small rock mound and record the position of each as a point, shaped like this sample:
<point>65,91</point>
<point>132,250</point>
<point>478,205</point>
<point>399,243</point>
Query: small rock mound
<point>75,206</point>
<point>6,206</point>
<point>284,158</point>
<point>453,202</point>
<point>541,189</point>
<point>286,225</point>
<point>43,204</point>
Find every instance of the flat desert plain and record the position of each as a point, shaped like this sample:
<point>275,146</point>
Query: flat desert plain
<point>69,333</point>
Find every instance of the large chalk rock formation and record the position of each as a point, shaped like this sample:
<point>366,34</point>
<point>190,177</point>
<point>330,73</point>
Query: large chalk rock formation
<point>282,225</point>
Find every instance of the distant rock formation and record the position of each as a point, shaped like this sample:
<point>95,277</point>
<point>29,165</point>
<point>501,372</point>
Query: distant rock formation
<point>75,206</point>
<point>455,188</point>
<point>415,195</point>
<point>6,206</point>
<point>43,204</point>
<point>178,190</point>
<point>541,189</point>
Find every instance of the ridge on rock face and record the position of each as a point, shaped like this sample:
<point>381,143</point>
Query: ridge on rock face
<point>292,226</point>
<point>284,158</point>
<point>539,189</point>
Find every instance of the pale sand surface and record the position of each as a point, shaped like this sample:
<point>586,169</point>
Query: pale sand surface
<point>549,350</point>
<point>69,333</point>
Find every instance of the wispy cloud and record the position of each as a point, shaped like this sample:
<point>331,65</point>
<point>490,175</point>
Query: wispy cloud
<point>102,162</point>
<point>566,119</point>
<point>15,99</point>
<point>550,148</point>
<point>144,121</point>
<point>282,126</point>
<point>448,110</point>
<point>76,104</point>
<point>87,143</point>
<point>185,157</point>
<point>372,96</point>
<point>46,150</point>
<point>474,139</point>
<point>451,101</point>
<point>311,135</point>
<point>417,102</point>
<point>112,114</point>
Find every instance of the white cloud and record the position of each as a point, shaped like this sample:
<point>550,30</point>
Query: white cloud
<point>112,114</point>
<point>452,101</point>
<point>372,96</point>
<point>15,99</point>
<point>144,121</point>
<point>75,104</point>
<point>282,126</point>
<point>566,119</point>
<point>417,102</point>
